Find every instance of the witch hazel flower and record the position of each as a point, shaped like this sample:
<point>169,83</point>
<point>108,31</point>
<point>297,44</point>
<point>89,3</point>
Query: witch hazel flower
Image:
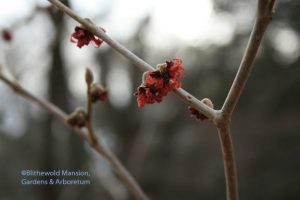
<point>157,84</point>
<point>147,94</point>
<point>195,113</point>
<point>174,71</point>
<point>82,37</point>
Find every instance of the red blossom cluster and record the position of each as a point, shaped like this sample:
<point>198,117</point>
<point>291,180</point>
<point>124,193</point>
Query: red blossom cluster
<point>82,37</point>
<point>160,82</point>
<point>197,114</point>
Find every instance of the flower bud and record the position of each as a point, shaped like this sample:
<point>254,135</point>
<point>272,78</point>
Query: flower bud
<point>207,102</point>
<point>77,118</point>
<point>97,92</point>
<point>89,78</point>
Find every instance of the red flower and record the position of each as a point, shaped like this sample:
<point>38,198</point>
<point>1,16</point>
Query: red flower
<point>82,37</point>
<point>160,82</point>
<point>197,114</point>
<point>167,76</point>
<point>175,72</point>
<point>147,95</point>
<point>6,35</point>
<point>154,78</point>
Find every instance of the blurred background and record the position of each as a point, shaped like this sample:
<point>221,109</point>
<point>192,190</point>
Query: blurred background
<point>171,155</point>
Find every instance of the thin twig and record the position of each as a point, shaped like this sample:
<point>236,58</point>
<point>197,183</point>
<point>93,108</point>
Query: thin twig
<point>17,88</point>
<point>184,95</point>
<point>92,136</point>
<point>263,18</point>
<point>89,104</point>
<point>229,162</point>
<point>126,177</point>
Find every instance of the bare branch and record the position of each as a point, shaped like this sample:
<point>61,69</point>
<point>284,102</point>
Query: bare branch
<point>89,105</point>
<point>263,18</point>
<point>127,179</point>
<point>229,162</point>
<point>184,95</point>
<point>17,88</point>
<point>125,176</point>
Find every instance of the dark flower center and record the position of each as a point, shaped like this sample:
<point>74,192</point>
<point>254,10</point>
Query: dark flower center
<point>153,90</point>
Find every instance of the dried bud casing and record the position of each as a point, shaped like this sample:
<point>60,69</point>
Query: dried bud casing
<point>144,76</point>
<point>161,67</point>
<point>78,118</point>
<point>89,77</point>
<point>207,102</point>
<point>97,92</point>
